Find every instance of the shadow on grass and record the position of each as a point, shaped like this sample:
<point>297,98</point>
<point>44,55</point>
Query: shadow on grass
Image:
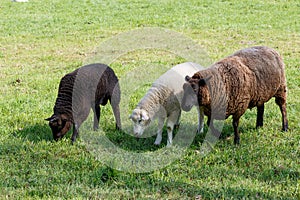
<point>166,189</point>
<point>131,143</point>
<point>279,173</point>
<point>35,133</point>
<point>205,192</point>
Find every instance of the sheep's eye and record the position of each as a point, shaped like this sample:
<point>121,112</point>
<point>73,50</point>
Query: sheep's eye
<point>194,87</point>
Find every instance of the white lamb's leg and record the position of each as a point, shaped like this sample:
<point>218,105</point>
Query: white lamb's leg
<point>178,120</point>
<point>172,120</point>
<point>170,127</point>
<point>200,120</point>
<point>161,121</point>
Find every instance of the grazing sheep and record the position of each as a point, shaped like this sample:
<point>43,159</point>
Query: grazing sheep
<point>249,78</point>
<point>163,101</point>
<point>85,88</point>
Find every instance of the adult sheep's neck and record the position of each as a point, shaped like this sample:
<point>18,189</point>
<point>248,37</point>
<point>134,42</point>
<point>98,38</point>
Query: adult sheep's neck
<point>155,98</point>
<point>214,91</point>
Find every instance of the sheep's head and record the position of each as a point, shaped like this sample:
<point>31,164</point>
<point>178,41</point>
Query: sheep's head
<point>59,124</point>
<point>196,92</point>
<point>141,120</point>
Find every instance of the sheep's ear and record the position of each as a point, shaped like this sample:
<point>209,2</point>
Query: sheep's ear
<point>187,78</point>
<point>144,116</point>
<point>204,81</point>
<point>48,119</point>
<point>133,114</point>
<point>130,117</point>
<point>52,118</point>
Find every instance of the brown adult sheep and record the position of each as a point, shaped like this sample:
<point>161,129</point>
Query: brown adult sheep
<point>87,87</point>
<point>248,78</point>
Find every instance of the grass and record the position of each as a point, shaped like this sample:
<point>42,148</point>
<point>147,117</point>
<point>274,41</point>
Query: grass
<point>43,40</point>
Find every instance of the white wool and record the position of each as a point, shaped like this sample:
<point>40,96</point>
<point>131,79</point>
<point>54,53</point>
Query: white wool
<point>166,92</point>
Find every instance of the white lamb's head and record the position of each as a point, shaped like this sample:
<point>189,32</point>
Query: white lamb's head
<point>141,120</point>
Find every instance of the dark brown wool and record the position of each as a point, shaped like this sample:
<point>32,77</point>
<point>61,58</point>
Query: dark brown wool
<point>248,78</point>
<point>87,87</point>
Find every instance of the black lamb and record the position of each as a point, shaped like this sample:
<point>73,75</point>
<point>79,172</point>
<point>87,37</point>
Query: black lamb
<point>87,87</point>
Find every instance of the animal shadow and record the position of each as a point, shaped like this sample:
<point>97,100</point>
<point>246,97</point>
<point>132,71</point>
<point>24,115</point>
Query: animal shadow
<point>35,133</point>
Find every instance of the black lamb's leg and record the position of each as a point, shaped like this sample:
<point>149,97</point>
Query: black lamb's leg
<point>260,116</point>
<point>115,104</point>
<point>97,111</point>
<point>116,111</point>
<point>75,133</point>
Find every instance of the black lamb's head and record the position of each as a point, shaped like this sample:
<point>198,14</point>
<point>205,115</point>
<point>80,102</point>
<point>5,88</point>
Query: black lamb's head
<point>60,124</point>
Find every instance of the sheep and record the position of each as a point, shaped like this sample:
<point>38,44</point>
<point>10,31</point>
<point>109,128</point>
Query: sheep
<point>87,87</point>
<point>163,101</point>
<point>249,78</point>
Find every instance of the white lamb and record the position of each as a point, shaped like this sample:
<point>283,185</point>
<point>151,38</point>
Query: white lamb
<point>163,101</point>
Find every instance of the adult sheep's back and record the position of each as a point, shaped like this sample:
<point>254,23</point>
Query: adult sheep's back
<point>267,69</point>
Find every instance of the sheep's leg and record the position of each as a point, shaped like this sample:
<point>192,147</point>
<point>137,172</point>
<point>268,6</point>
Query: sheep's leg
<point>171,122</point>
<point>260,116</point>
<point>97,111</point>
<point>116,111</point>
<point>158,139</point>
<point>177,124</point>
<point>75,132</point>
<point>200,119</point>
<point>210,124</point>
<point>83,114</point>
<point>170,127</point>
<point>280,101</point>
<point>235,123</point>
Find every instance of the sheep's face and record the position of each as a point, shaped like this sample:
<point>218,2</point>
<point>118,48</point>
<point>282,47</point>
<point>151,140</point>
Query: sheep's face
<point>195,93</point>
<point>141,120</point>
<point>59,125</point>
<point>190,90</point>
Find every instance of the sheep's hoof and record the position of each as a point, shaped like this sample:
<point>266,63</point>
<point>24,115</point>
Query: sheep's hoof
<point>118,128</point>
<point>285,129</point>
<point>157,142</point>
<point>259,126</point>
<point>237,141</point>
<point>200,132</point>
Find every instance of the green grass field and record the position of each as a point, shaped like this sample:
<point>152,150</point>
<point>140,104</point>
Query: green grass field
<point>40,41</point>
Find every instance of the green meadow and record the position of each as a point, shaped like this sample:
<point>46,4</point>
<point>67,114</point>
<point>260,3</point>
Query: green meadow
<point>41,41</point>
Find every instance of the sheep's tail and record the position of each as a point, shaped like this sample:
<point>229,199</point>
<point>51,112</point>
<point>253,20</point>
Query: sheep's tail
<point>281,66</point>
